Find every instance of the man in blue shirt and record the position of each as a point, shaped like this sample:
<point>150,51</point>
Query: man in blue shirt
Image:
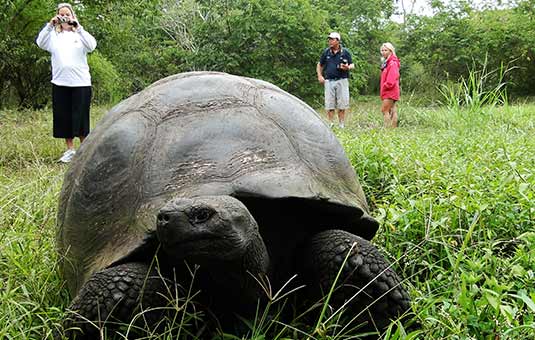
<point>333,71</point>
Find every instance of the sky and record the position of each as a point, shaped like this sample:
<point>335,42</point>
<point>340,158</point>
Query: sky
<point>421,7</point>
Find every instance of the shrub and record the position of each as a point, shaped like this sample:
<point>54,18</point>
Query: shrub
<point>108,86</point>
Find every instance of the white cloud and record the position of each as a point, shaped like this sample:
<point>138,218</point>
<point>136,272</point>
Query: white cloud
<point>423,7</point>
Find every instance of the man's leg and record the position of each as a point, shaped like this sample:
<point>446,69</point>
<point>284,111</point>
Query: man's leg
<point>343,101</point>
<point>330,117</point>
<point>341,118</point>
<point>330,101</point>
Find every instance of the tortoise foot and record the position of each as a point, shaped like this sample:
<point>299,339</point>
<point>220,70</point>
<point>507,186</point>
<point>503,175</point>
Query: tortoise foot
<point>368,288</point>
<point>113,298</point>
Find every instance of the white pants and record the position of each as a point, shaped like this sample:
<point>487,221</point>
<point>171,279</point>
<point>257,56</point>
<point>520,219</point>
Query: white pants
<point>337,94</point>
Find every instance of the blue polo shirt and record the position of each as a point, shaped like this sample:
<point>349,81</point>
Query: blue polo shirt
<point>330,62</point>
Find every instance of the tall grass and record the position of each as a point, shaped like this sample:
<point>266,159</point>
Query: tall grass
<point>454,193</point>
<point>32,295</point>
<point>481,89</point>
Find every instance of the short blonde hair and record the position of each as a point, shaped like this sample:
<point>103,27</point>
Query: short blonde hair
<point>64,5</point>
<point>390,47</point>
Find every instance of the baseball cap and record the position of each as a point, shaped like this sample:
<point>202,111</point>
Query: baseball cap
<point>334,35</point>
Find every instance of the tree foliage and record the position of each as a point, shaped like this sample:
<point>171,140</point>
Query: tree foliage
<point>23,70</point>
<point>446,46</point>
<point>274,40</point>
<point>278,41</point>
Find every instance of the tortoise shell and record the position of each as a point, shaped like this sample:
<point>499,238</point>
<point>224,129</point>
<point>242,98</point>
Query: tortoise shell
<point>191,134</point>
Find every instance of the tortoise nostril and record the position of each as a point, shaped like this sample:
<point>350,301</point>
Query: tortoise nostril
<point>163,217</point>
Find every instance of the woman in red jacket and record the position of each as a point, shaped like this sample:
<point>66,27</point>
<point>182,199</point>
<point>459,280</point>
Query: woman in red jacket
<point>389,84</point>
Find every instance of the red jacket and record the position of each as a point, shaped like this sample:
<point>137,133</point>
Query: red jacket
<point>390,79</point>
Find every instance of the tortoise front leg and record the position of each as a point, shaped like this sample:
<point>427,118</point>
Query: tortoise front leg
<point>374,289</point>
<point>112,297</point>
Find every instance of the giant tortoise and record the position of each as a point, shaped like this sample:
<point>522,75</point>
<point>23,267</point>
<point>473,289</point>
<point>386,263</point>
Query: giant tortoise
<point>228,177</point>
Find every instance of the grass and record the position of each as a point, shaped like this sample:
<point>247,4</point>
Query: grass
<point>482,87</point>
<point>32,295</point>
<point>454,190</point>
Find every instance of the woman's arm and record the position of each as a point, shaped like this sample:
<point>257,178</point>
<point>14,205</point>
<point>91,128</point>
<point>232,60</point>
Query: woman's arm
<point>87,39</point>
<point>43,39</point>
<point>392,75</point>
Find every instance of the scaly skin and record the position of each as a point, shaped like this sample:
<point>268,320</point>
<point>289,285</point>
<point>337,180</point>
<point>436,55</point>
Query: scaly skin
<point>111,297</point>
<point>365,267</point>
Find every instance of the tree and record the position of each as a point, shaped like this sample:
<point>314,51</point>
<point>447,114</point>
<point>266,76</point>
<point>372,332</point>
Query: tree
<point>276,41</point>
<point>23,69</point>
<point>458,38</point>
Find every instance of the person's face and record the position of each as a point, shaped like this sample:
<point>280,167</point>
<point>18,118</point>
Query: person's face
<point>333,42</point>
<point>385,52</point>
<point>65,12</point>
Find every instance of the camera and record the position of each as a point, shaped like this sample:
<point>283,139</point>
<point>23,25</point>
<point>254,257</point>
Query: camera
<point>67,20</point>
<point>343,62</point>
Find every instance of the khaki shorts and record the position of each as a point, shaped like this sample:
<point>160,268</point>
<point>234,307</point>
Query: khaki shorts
<point>337,94</point>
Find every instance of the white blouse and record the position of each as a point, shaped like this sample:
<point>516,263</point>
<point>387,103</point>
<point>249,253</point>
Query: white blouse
<point>69,55</point>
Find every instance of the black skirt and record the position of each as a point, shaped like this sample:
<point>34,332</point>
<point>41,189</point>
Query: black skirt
<point>70,106</point>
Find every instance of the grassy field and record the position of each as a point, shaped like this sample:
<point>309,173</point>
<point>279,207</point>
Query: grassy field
<point>454,191</point>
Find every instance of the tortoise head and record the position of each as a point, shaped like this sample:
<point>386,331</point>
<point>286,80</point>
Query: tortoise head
<point>210,229</point>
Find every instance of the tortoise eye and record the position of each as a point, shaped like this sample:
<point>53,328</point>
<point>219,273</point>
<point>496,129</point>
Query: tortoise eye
<point>201,214</point>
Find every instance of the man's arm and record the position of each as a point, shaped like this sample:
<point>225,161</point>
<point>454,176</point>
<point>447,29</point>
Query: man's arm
<point>319,71</point>
<point>349,65</point>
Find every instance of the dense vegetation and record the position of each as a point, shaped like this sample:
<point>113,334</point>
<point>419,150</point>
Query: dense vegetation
<point>453,189</point>
<point>277,40</point>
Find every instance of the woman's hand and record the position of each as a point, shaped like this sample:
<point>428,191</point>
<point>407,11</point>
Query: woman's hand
<point>74,24</point>
<point>54,21</point>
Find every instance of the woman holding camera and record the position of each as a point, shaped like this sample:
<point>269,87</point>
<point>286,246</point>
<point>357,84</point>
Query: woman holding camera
<point>68,43</point>
<point>389,88</point>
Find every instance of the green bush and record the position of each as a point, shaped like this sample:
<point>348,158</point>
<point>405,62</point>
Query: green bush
<point>108,84</point>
